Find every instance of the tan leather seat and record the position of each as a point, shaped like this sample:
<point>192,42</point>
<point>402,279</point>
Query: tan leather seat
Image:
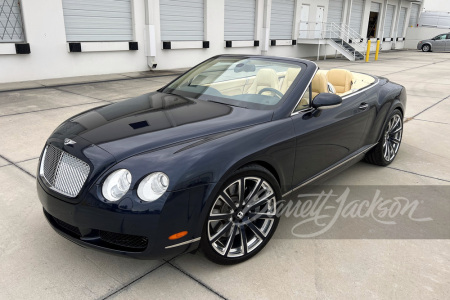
<point>341,80</point>
<point>319,84</point>
<point>265,78</point>
<point>290,76</point>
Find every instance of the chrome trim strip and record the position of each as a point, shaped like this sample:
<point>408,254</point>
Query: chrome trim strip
<point>183,243</point>
<point>343,98</point>
<point>300,99</point>
<point>329,170</point>
<point>364,89</point>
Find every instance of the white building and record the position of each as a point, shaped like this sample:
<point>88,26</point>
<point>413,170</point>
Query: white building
<point>63,38</point>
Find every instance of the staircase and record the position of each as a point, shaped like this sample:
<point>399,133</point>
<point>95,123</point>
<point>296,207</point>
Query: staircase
<point>341,37</point>
<point>345,49</point>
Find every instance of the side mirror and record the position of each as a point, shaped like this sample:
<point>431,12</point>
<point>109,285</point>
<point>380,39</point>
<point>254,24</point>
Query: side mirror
<point>326,100</point>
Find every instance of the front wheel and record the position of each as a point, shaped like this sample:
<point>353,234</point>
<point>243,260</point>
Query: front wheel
<point>242,218</point>
<point>426,48</point>
<point>387,148</point>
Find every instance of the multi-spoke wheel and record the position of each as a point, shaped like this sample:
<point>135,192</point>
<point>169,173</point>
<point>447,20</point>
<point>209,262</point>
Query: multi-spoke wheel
<point>392,137</point>
<point>387,148</point>
<point>242,217</point>
<point>426,48</point>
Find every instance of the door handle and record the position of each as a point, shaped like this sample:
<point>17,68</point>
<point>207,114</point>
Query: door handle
<point>363,106</point>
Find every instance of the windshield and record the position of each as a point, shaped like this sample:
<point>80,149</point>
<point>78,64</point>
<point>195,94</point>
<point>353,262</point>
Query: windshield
<point>258,83</point>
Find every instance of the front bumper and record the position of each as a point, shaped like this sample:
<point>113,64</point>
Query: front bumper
<point>139,234</point>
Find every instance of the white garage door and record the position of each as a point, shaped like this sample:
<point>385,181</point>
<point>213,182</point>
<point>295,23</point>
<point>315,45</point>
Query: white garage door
<point>334,14</point>
<point>401,22</point>
<point>356,15</point>
<point>181,20</point>
<point>414,15</point>
<point>282,19</point>
<point>10,21</point>
<point>388,21</point>
<point>240,20</point>
<point>100,20</point>
<point>375,7</point>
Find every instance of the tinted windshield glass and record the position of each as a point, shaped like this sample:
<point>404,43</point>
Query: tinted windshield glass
<point>246,82</point>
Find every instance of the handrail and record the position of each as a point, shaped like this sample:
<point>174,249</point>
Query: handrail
<point>334,30</point>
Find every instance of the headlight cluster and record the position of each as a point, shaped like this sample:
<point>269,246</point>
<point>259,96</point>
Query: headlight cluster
<point>151,187</point>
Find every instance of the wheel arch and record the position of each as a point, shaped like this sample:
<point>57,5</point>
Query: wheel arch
<point>429,44</point>
<point>265,165</point>
<point>396,105</point>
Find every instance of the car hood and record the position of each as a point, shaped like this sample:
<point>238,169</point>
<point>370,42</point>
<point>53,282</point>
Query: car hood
<point>156,120</point>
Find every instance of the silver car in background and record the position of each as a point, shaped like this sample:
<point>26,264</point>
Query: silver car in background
<point>440,42</point>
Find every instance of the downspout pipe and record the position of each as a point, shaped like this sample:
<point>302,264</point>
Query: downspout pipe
<point>266,27</point>
<point>149,35</point>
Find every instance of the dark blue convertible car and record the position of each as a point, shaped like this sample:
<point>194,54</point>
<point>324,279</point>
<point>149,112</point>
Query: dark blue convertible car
<point>203,161</point>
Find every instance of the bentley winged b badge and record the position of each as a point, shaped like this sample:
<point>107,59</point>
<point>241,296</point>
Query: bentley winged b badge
<point>69,142</point>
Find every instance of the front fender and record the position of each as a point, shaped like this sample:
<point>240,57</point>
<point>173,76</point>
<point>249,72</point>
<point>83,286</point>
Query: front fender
<point>389,97</point>
<point>210,162</point>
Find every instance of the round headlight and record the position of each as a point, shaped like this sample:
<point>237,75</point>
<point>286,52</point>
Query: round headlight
<point>116,185</point>
<point>153,186</point>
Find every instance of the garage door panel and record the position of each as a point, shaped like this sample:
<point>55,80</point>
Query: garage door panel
<point>388,20</point>
<point>375,7</point>
<point>240,20</point>
<point>335,8</point>
<point>413,18</point>
<point>100,20</point>
<point>401,22</point>
<point>356,15</point>
<point>282,19</point>
<point>10,22</point>
<point>182,20</point>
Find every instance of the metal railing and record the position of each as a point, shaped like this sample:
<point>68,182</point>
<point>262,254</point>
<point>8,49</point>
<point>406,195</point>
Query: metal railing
<point>333,31</point>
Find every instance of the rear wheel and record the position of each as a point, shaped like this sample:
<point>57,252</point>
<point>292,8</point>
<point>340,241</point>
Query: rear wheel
<point>387,148</point>
<point>426,48</point>
<point>242,218</point>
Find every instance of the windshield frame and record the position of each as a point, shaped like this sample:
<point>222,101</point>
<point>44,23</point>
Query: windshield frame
<point>239,103</point>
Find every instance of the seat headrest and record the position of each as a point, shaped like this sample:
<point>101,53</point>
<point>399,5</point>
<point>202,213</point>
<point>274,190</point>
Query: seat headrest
<point>341,79</point>
<point>266,77</point>
<point>339,76</point>
<point>319,83</point>
<point>291,73</point>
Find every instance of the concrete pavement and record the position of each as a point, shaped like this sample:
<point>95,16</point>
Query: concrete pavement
<point>35,262</point>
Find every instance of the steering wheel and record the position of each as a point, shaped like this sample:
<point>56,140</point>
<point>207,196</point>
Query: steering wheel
<point>272,90</point>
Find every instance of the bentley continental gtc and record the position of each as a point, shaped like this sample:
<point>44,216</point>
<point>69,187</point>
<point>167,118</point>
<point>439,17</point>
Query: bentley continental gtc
<point>203,161</point>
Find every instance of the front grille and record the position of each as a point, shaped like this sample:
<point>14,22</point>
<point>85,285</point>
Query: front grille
<point>106,239</point>
<point>63,172</point>
<point>67,227</point>
<point>124,240</point>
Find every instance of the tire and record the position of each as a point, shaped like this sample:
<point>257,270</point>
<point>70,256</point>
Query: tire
<point>426,48</point>
<point>237,228</point>
<point>387,148</point>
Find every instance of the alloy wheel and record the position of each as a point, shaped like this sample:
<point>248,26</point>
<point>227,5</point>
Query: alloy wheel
<point>392,137</point>
<point>241,217</point>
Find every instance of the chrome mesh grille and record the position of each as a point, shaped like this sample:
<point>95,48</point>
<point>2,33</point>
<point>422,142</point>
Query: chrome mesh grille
<point>63,172</point>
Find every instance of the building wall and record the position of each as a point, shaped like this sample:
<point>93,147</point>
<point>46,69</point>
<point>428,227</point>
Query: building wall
<point>50,58</point>
<point>416,34</point>
<point>436,5</point>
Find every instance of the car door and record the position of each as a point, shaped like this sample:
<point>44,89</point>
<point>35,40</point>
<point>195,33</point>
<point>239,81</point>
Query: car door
<point>447,42</point>
<point>438,43</point>
<point>326,136</point>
